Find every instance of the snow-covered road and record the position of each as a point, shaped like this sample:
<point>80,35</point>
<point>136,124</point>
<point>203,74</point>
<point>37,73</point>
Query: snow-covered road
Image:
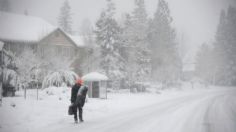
<point>212,111</point>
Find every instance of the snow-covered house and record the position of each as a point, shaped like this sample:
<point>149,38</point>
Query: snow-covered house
<point>20,31</point>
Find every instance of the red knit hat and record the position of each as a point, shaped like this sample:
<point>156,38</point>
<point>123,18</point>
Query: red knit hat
<point>79,81</point>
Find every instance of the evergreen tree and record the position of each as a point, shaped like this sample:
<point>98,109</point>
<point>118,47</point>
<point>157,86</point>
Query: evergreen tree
<point>225,48</point>
<point>219,49</point>
<point>108,38</point>
<point>134,38</point>
<point>140,43</point>
<point>139,22</point>
<point>128,51</point>
<point>65,20</point>
<point>165,61</point>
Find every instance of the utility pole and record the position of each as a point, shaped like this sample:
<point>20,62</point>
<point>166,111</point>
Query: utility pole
<point>37,82</point>
<point>1,81</point>
<point>1,71</point>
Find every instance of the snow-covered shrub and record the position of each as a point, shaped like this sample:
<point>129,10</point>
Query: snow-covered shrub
<point>9,77</point>
<point>58,69</point>
<point>59,78</point>
<point>69,77</point>
<point>26,63</point>
<point>53,79</point>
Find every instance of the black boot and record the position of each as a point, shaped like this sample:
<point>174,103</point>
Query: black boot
<point>75,117</point>
<point>81,115</point>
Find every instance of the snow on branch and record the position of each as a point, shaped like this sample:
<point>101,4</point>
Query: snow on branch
<point>60,78</point>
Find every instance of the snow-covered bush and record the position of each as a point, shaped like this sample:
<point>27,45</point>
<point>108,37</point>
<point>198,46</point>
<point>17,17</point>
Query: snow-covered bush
<point>58,70</point>
<point>116,77</point>
<point>9,77</point>
<point>60,78</point>
<point>26,63</point>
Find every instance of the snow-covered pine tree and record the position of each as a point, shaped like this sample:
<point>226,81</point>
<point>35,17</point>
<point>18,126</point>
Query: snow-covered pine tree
<point>219,48</point>
<point>65,19</point>
<point>108,38</point>
<point>142,51</point>
<point>225,48</point>
<point>231,38</point>
<point>128,48</point>
<point>165,60</point>
<point>134,38</point>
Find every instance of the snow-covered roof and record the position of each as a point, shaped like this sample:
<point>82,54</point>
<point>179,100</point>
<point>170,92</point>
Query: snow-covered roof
<point>94,76</point>
<point>22,28</point>
<point>77,39</point>
<point>1,45</point>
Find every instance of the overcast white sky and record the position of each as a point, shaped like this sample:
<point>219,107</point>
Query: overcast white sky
<point>195,20</point>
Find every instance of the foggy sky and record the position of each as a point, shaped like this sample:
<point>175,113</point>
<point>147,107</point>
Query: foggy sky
<point>194,20</point>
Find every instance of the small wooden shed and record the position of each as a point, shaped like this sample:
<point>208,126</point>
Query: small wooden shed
<point>97,84</point>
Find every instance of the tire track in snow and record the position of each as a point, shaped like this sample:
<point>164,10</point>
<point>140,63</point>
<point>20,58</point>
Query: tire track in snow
<point>221,115</point>
<point>151,116</point>
<point>181,114</point>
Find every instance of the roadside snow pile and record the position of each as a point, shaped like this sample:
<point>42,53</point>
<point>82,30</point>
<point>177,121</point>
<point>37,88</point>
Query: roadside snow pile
<point>61,93</point>
<point>56,90</point>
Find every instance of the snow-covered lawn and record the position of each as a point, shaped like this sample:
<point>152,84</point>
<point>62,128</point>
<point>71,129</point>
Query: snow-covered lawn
<point>50,111</point>
<point>19,114</point>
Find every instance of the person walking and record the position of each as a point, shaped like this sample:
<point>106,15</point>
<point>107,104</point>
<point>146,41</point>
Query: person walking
<point>78,96</point>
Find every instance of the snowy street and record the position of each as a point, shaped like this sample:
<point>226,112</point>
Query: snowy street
<point>117,66</point>
<point>208,111</point>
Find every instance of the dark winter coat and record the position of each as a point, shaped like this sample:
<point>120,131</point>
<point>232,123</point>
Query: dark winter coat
<point>74,92</point>
<point>80,100</point>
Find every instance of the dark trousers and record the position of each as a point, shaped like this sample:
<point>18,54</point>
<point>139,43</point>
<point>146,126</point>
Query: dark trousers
<point>80,113</point>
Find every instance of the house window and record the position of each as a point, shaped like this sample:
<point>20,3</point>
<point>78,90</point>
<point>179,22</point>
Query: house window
<point>59,49</point>
<point>72,52</point>
<point>67,51</point>
<point>41,50</point>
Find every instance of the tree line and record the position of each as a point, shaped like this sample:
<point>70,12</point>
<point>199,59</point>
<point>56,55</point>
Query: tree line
<point>216,63</point>
<point>142,48</point>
